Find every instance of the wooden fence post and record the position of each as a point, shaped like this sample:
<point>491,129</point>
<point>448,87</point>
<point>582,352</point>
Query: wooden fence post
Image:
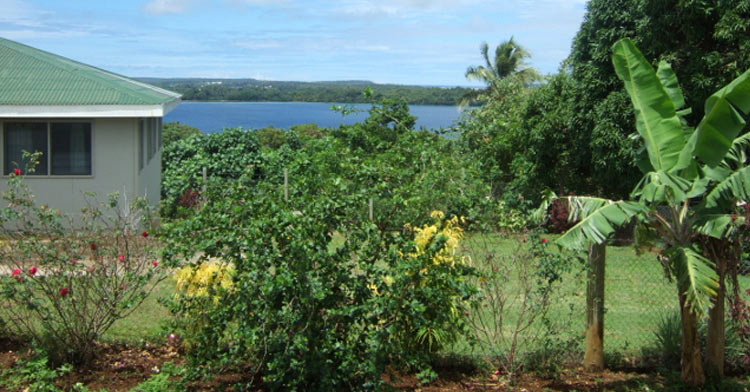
<point>286,184</point>
<point>204,188</point>
<point>593,360</point>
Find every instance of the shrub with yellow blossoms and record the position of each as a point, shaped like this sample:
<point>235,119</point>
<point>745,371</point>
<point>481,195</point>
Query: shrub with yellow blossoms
<point>204,279</point>
<point>452,233</point>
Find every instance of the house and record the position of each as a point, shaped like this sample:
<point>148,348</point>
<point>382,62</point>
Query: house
<point>97,131</point>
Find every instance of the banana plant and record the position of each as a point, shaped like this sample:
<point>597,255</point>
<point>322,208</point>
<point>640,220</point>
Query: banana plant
<point>692,179</point>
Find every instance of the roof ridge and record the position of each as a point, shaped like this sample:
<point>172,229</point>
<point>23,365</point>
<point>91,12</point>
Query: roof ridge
<point>99,75</point>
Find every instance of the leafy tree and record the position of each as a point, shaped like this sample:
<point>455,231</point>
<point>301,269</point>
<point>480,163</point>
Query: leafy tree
<point>704,39</point>
<point>692,178</point>
<point>509,61</point>
<point>174,131</point>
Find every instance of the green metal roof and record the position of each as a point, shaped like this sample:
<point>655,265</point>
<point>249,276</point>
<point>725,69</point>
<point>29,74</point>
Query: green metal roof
<point>33,77</point>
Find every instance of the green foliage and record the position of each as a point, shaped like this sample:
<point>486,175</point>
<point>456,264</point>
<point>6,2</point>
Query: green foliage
<point>167,380</point>
<point>705,42</point>
<point>225,155</point>
<point>174,131</point>
<point>308,309</point>
<point>270,137</point>
<point>67,286</point>
<point>33,374</point>
<point>511,221</point>
<point>509,62</point>
<point>574,131</point>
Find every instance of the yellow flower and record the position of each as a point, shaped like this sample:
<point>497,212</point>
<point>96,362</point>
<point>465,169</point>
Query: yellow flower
<point>199,281</point>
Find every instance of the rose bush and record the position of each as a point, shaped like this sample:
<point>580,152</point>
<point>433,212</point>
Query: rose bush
<point>82,273</point>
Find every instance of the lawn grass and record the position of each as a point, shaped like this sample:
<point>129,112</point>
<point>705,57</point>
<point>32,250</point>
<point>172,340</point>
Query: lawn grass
<point>146,323</point>
<point>637,296</point>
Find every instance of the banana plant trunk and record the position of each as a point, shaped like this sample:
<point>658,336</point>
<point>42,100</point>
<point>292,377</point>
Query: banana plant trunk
<point>715,338</point>
<point>724,253</point>
<point>692,365</point>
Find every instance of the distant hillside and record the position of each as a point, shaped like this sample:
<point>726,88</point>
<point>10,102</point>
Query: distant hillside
<point>349,91</point>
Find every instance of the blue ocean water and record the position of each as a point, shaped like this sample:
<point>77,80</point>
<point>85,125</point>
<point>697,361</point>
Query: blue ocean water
<point>215,116</point>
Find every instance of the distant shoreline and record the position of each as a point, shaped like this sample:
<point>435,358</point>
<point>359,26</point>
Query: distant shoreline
<point>333,103</point>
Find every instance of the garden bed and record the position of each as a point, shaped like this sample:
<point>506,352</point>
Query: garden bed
<point>122,367</point>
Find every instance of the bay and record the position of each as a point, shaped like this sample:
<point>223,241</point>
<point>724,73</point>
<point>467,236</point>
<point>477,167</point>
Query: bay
<point>215,116</point>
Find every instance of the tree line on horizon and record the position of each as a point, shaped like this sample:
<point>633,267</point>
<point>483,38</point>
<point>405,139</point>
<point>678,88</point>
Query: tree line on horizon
<point>252,90</point>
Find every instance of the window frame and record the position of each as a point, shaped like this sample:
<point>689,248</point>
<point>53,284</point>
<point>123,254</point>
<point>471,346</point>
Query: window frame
<point>49,122</point>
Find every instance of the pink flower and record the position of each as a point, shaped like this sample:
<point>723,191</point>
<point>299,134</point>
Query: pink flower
<point>17,171</point>
<point>121,258</point>
<point>122,286</point>
<point>155,263</point>
<point>32,271</point>
<point>90,268</point>
<point>523,239</point>
<point>144,234</point>
<point>16,271</point>
<point>544,240</point>
<point>64,292</point>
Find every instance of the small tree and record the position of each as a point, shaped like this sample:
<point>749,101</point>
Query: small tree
<point>692,177</point>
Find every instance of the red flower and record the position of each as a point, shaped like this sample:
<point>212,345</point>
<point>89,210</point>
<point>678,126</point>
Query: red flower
<point>90,268</point>
<point>92,246</point>
<point>544,240</point>
<point>144,234</point>
<point>16,271</point>
<point>32,271</point>
<point>17,171</point>
<point>63,292</point>
<point>734,218</point>
<point>523,239</point>
<point>121,258</point>
<point>155,263</point>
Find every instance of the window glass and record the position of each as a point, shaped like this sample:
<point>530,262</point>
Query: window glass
<point>25,136</point>
<point>71,148</point>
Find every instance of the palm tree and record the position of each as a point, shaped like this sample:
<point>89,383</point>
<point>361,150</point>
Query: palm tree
<point>510,61</point>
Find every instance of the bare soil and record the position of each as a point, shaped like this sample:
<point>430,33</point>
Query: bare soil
<point>121,367</point>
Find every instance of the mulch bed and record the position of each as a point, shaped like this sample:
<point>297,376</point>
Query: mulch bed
<point>121,367</point>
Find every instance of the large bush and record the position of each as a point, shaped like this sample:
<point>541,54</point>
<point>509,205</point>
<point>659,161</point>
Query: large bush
<point>320,298</point>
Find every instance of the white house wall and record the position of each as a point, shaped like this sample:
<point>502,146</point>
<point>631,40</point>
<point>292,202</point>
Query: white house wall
<point>114,168</point>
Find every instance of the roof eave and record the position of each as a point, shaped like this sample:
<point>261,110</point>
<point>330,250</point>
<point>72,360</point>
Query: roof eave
<point>87,111</point>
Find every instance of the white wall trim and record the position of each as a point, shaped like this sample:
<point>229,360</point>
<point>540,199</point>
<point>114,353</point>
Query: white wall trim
<point>90,111</point>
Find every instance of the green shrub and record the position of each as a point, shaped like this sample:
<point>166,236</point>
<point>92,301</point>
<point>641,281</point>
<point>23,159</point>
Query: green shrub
<point>320,298</point>
<point>167,380</point>
<point>33,374</point>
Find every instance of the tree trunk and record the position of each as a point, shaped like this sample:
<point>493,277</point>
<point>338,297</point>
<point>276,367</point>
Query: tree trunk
<point>593,360</point>
<point>720,252</point>
<point>692,367</point>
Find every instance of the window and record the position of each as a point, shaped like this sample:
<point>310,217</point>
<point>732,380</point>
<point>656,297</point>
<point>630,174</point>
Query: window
<point>149,139</point>
<point>65,147</point>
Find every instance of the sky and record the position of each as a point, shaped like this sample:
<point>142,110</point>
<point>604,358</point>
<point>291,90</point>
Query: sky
<point>418,42</point>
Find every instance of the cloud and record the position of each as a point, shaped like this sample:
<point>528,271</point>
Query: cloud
<point>168,6</point>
